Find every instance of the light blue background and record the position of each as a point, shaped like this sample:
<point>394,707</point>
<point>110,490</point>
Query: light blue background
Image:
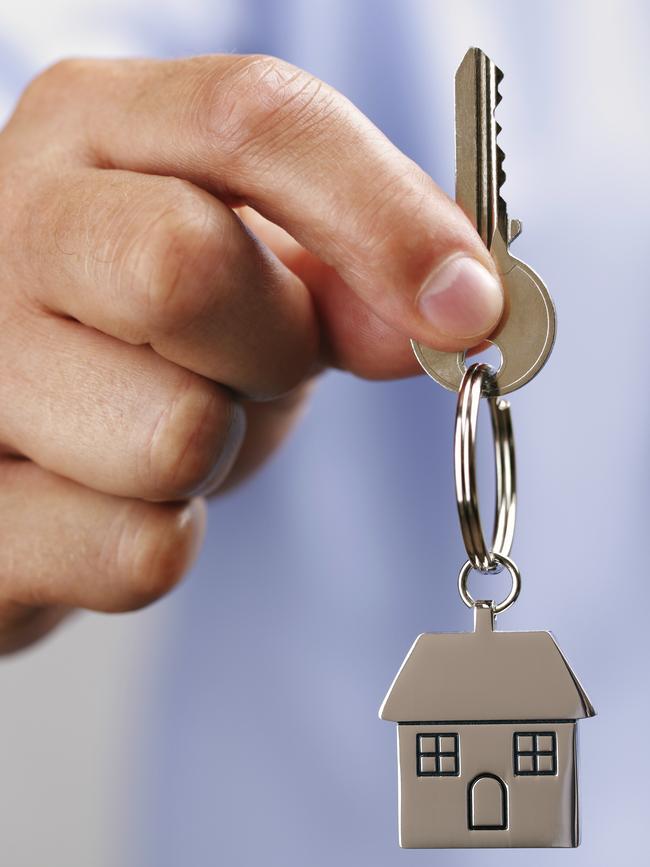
<point>259,742</point>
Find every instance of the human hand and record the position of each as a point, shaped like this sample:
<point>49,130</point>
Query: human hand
<point>184,245</point>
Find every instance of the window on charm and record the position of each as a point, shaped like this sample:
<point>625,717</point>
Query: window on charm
<point>535,754</point>
<point>438,755</point>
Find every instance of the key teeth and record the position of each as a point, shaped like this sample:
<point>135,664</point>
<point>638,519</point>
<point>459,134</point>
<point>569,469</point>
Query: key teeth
<point>498,78</point>
<point>500,155</point>
<point>501,175</point>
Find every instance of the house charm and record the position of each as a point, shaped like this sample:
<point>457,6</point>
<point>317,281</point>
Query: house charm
<point>486,739</point>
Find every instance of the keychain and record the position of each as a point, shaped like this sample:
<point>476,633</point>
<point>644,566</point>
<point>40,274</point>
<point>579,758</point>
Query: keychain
<point>487,719</point>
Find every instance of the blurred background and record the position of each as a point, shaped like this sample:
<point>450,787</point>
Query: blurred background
<point>236,721</point>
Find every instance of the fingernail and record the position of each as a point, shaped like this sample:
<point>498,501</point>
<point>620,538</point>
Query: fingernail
<point>461,298</point>
<point>228,454</point>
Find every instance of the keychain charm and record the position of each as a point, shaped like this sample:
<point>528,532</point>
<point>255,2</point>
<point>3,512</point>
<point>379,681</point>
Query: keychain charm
<point>487,719</point>
<point>486,739</point>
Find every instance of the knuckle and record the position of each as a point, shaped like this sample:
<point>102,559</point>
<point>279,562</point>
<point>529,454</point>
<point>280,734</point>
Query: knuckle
<point>155,546</point>
<point>56,78</point>
<point>261,101</point>
<point>172,258</point>
<point>188,439</point>
<point>60,90</point>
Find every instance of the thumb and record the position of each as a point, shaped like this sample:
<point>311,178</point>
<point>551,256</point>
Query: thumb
<point>462,296</point>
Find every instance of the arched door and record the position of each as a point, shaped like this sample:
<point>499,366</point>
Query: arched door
<point>487,803</point>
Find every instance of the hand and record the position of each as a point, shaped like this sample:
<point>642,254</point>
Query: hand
<point>184,245</point>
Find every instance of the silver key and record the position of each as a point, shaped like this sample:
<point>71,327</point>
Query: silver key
<point>526,334</point>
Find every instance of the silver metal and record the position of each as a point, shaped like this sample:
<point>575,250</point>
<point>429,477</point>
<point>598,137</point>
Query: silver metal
<point>486,730</point>
<point>477,381</point>
<point>486,698</point>
<point>497,607</point>
<point>526,333</point>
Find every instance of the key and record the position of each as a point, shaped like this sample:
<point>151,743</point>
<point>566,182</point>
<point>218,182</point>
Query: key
<point>526,333</point>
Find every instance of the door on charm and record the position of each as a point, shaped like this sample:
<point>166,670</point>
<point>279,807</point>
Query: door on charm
<point>487,803</point>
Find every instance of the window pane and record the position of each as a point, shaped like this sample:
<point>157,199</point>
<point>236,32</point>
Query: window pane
<point>438,754</point>
<point>524,743</point>
<point>427,765</point>
<point>448,765</point>
<point>525,765</point>
<point>448,744</point>
<point>535,753</point>
<point>545,764</point>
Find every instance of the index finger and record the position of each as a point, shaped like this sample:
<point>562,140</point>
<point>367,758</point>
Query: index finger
<point>258,130</point>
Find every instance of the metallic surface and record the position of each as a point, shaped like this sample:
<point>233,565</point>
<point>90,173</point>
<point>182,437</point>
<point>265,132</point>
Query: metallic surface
<point>497,607</point>
<point>526,333</point>
<point>485,675</point>
<point>482,691</point>
<point>541,811</point>
<point>478,381</point>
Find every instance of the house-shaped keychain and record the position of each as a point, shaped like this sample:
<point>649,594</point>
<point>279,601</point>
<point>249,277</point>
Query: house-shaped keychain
<point>487,739</point>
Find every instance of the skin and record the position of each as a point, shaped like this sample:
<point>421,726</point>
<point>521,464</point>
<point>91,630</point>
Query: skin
<point>186,245</point>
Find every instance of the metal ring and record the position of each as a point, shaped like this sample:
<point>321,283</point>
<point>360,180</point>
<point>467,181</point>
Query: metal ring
<point>499,607</point>
<point>477,381</point>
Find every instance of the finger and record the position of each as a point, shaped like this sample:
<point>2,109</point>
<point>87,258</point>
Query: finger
<point>353,337</point>
<point>66,546</point>
<point>259,130</point>
<point>112,416</point>
<point>22,625</point>
<point>268,423</point>
<point>156,260</point>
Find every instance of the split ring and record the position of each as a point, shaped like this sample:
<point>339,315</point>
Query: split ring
<point>477,381</point>
<point>497,607</point>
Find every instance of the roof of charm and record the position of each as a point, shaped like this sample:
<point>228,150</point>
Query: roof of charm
<point>485,675</point>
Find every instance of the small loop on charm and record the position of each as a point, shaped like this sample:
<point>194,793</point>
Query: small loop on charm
<point>510,599</point>
<point>479,381</point>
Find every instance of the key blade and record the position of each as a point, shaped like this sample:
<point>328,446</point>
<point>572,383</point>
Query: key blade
<point>479,160</point>
<point>526,332</point>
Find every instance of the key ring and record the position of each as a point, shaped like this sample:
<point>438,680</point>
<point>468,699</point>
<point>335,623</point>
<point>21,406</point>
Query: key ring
<point>477,381</point>
<point>497,607</point>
